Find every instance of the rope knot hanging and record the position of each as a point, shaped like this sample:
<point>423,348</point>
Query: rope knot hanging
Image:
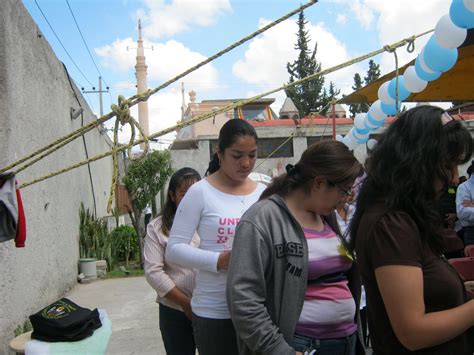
<point>122,110</point>
<point>123,117</point>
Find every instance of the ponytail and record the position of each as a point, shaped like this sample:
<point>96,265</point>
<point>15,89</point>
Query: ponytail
<point>214,165</point>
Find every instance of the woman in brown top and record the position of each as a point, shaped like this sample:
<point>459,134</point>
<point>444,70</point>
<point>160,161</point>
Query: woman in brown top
<point>417,302</point>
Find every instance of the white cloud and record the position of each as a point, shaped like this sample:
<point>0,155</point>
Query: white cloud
<point>362,12</point>
<point>264,62</point>
<point>404,18</point>
<point>162,18</point>
<point>118,55</point>
<point>165,61</point>
<point>341,19</point>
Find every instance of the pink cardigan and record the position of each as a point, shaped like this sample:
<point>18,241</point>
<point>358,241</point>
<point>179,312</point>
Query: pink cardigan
<point>163,275</point>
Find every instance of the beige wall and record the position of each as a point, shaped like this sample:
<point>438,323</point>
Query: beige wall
<point>35,100</point>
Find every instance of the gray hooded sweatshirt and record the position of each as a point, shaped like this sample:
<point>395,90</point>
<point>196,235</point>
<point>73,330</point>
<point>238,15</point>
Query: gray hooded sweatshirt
<point>267,277</point>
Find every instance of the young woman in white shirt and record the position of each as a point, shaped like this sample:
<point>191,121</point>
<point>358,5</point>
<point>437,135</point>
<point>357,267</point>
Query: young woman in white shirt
<point>212,208</point>
<point>173,283</point>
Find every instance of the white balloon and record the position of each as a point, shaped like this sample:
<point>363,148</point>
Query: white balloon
<point>447,34</point>
<point>376,111</point>
<point>412,81</point>
<point>469,4</point>
<point>370,126</point>
<point>339,137</point>
<point>371,143</point>
<point>349,142</point>
<point>383,94</point>
<point>359,121</point>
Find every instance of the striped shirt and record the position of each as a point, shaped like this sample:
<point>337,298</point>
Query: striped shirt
<point>162,275</point>
<point>329,308</point>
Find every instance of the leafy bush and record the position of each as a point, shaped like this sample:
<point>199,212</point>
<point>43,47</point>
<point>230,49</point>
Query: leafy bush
<point>124,244</point>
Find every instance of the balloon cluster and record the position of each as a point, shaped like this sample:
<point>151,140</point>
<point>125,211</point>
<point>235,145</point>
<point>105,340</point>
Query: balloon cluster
<point>438,56</point>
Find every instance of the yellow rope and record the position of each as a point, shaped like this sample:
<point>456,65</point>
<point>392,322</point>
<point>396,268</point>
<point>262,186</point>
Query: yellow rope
<point>123,117</point>
<point>144,96</point>
<point>224,109</point>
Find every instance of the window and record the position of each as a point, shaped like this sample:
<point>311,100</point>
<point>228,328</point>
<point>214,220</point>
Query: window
<point>312,140</point>
<point>267,146</point>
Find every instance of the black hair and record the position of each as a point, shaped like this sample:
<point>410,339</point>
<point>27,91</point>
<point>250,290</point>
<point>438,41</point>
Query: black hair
<point>414,152</point>
<point>469,169</point>
<point>228,134</point>
<point>183,175</point>
<point>329,159</point>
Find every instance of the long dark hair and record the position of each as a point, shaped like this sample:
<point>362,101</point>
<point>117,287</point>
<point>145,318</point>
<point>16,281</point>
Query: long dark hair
<point>228,134</point>
<point>182,176</point>
<point>415,151</point>
<point>329,159</point>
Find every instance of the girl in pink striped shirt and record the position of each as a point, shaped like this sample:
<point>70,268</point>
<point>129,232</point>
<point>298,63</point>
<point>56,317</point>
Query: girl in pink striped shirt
<point>173,284</point>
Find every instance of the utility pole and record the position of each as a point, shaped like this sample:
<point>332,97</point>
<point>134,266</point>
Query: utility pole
<point>100,91</point>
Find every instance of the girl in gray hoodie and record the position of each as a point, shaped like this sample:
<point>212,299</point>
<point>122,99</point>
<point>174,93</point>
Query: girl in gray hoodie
<point>292,286</point>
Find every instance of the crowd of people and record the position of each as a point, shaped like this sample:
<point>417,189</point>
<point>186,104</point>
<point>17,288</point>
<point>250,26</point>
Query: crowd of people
<point>244,268</point>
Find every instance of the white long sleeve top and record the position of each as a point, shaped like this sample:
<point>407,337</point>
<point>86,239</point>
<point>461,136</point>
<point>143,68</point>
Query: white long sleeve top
<point>214,215</point>
<point>464,192</point>
<point>161,274</point>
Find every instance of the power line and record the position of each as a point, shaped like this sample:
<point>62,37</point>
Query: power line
<point>57,37</point>
<point>85,43</point>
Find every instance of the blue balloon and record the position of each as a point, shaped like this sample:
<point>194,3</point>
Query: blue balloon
<point>363,131</point>
<point>403,93</point>
<point>375,122</point>
<point>460,15</point>
<point>423,74</point>
<point>438,58</point>
<point>390,109</point>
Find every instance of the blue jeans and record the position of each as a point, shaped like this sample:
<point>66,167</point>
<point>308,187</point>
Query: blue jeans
<point>176,331</point>
<point>336,346</point>
<point>468,235</point>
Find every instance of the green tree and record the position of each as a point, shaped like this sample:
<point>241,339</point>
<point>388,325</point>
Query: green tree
<point>359,107</point>
<point>373,73</point>
<point>143,180</point>
<point>328,96</point>
<point>307,96</point>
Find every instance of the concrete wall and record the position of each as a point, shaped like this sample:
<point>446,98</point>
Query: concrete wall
<point>199,158</point>
<point>35,100</point>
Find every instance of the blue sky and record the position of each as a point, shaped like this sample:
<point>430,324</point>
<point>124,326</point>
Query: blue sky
<point>184,32</point>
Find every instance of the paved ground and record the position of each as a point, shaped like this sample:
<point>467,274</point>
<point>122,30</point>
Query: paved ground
<point>130,304</point>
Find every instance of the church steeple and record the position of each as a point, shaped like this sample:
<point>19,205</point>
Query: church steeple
<point>183,102</point>
<point>141,74</point>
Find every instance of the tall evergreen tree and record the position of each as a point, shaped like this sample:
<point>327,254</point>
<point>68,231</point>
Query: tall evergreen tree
<point>373,73</point>
<point>328,96</point>
<point>307,96</point>
<point>360,107</point>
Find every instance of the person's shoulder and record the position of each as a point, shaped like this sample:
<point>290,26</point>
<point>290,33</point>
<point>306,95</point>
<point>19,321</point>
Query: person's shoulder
<point>263,208</point>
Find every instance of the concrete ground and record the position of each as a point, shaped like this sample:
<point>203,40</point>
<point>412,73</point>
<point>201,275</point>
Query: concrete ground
<point>130,304</point>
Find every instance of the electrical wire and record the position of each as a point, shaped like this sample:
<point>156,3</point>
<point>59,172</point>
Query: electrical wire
<point>61,43</point>
<point>85,44</point>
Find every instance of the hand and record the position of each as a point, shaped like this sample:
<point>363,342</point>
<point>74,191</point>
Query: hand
<point>223,261</point>
<point>467,203</point>
<point>186,306</point>
<point>450,218</point>
<point>299,353</point>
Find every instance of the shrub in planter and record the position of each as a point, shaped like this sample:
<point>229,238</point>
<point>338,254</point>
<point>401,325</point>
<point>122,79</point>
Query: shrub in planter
<point>124,244</point>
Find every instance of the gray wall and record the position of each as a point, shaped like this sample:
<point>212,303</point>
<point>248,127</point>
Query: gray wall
<point>35,99</point>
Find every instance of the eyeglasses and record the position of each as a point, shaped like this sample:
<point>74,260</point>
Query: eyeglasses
<point>343,190</point>
<point>446,118</point>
